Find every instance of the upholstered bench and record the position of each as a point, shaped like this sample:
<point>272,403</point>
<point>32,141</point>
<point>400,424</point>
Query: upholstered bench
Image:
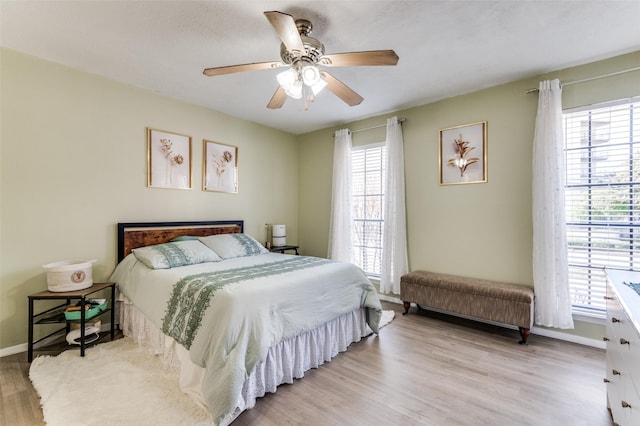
<point>484,299</point>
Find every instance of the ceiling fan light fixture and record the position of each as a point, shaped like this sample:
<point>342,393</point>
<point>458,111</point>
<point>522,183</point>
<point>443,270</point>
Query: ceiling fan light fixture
<point>317,88</point>
<point>286,78</point>
<point>295,90</point>
<point>290,83</point>
<point>310,75</point>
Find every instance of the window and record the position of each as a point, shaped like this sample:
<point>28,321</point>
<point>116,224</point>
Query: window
<point>602,153</point>
<point>368,177</point>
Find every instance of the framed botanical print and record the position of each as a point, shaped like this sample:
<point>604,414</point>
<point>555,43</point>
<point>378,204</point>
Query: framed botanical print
<point>463,154</point>
<point>168,160</point>
<point>220,168</point>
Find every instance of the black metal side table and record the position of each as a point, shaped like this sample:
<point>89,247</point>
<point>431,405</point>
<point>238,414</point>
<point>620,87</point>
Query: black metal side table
<point>282,249</point>
<point>49,316</point>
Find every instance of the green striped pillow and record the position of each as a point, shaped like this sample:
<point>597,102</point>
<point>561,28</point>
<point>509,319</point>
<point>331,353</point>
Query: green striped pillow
<point>175,254</point>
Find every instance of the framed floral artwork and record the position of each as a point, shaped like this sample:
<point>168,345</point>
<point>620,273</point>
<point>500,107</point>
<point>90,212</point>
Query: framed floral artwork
<point>220,167</point>
<point>168,160</point>
<point>463,154</point>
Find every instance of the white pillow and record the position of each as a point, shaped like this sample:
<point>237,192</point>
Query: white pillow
<point>174,254</point>
<point>228,246</point>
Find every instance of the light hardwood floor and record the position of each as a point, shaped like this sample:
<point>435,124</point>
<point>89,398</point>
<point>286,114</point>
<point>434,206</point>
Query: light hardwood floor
<point>423,369</point>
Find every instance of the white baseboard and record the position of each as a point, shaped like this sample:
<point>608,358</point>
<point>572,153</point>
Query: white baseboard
<point>389,299</point>
<point>600,344</point>
<point>23,347</point>
<point>12,350</point>
<point>581,340</point>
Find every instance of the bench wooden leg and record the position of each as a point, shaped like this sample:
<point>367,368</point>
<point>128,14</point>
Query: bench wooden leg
<point>406,305</point>
<point>524,334</point>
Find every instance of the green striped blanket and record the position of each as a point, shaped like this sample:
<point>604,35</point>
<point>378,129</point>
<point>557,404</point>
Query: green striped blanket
<point>191,296</point>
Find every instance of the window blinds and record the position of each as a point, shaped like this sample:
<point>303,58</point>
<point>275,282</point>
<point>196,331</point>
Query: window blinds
<point>368,174</point>
<point>602,153</point>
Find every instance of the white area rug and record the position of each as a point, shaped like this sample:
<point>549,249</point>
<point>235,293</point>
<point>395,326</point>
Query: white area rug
<point>387,317</point>
<point>116,383</point>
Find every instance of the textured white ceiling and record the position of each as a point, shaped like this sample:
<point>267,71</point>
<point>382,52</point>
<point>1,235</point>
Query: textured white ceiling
<point>446,48</point>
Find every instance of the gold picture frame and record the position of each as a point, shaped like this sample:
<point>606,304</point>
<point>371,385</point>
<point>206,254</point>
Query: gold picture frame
<point>168,160</point>
<point>463,154</point>
<point>220,167</point>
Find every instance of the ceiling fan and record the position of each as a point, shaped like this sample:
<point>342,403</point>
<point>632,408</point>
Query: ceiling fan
<point>301,55</point>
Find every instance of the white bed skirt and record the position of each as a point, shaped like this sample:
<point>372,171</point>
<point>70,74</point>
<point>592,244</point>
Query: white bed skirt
<point>286,361</point>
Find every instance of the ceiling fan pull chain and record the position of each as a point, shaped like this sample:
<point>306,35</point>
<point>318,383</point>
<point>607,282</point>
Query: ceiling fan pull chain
<point>309,96</point>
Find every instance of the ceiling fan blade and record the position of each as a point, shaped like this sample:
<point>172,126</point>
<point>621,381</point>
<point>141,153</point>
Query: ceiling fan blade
<point>354,59</point>
<point>285,26</point>
<point>244,67</point>
<point>341,90</point>
<point>278,98</point>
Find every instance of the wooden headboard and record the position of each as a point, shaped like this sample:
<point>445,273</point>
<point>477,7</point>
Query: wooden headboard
<point>139,234</point>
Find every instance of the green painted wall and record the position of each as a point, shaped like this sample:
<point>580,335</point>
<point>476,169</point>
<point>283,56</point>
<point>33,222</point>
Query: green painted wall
<point>73,164</point>
<point>479,230</point>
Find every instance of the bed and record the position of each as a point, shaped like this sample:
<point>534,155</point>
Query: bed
<point>233,319</point>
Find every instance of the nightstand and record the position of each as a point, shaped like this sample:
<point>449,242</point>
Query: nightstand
<point>282,249</point>
<point>55,315</point>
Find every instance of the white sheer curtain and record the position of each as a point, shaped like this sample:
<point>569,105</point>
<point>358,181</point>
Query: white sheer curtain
<point>394,241</point>
<point>340,222</point>
<point>550,265</point>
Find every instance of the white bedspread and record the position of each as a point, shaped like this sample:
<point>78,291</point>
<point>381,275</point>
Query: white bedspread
<point>245,318</point>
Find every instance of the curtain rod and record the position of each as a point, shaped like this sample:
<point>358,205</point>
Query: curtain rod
<point>400,120</point>
<point>568,83</point>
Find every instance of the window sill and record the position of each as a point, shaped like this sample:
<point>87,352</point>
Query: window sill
<point>599,319</point>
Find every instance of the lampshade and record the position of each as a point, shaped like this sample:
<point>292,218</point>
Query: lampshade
<point>317,88</point>
<point>310,75</point>
<point>291,83</point>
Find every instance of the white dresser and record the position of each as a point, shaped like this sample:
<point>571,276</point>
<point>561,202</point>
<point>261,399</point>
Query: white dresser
<point>623,347</point>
